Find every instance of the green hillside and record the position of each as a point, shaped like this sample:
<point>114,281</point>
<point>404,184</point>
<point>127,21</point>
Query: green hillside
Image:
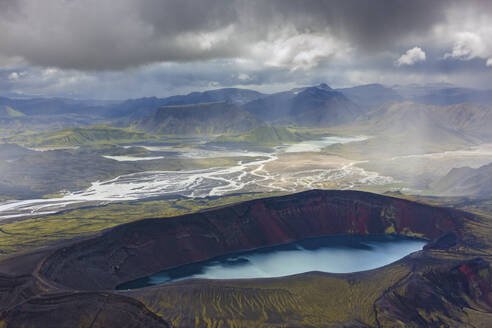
<point>9,112</point>
<point>81,136</point>
<point>268,135</point>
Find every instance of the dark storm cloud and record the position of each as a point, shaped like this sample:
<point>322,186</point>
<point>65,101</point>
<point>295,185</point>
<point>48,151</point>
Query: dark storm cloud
<point>7,6</point>
<point>367,23</point>
<point>132,48</point>
<point>94,35</point>
<point>168,17</point>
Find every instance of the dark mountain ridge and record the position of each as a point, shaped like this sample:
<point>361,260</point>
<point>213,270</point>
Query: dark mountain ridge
<point>319,106</point>
<point>199,119</point>
<point>141,107</point>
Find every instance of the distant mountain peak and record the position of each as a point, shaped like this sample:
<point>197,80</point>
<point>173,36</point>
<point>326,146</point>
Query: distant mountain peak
<point>324,86</point>
<point>317,105</point>
<point>321,86</point>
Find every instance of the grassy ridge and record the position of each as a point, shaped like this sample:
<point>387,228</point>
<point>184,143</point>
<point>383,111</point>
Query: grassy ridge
<point>9,112</point>
<point>268,135</point>
<point>82,136</point>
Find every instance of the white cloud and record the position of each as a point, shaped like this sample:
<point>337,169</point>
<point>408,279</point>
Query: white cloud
<point>411,57</point>
<point>13,76</point>
<point>468,45</point>
<point>299,50</point>
<point>243,77</point>
<point>489,62</point>
<point>468,35</point>
<point>207,40</point>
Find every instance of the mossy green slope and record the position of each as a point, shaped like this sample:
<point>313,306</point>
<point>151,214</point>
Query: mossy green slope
<point>9,112</point>
<point>268,135</point>
<point>82,136</point>
<point>309,300</point>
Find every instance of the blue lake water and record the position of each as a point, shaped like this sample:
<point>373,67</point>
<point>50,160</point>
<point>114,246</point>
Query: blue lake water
<point>335,254</point>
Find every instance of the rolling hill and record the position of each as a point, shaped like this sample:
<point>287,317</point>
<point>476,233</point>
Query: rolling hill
<point>9,112</point>
<point>199,119</point>
<point>466,181</point>
<point>267,135</point>
<point>71,137</point>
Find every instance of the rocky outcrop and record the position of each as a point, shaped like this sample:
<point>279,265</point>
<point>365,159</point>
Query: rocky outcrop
<point>138,249</point>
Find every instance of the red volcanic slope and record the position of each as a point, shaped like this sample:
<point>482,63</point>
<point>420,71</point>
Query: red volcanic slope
<point>141,248</point>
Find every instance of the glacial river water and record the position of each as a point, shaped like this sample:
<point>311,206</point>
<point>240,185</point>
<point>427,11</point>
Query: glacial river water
<point>215,181</point>
<point>335,254</point>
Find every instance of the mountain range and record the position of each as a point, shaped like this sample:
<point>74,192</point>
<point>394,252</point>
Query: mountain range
<point>313,106</point>
<point>430,121</point>
<point>141,107</point>
<point>466,181</point>
<point>374,108</point>
<point>199,119</point>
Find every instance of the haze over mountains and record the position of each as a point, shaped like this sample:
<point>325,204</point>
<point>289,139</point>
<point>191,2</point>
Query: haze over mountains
<point>395,119</point>
<point>317,106</point>
<point>141,107</point>
<point>431,121</point>
<point>199,119</point>
<point>311,106</point>
<point>466,181</point>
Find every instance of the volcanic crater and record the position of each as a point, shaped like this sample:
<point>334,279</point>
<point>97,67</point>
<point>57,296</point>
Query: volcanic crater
<point>81,277</point>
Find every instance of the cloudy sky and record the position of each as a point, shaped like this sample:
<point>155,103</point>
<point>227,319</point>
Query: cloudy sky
<point>116,49</point>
